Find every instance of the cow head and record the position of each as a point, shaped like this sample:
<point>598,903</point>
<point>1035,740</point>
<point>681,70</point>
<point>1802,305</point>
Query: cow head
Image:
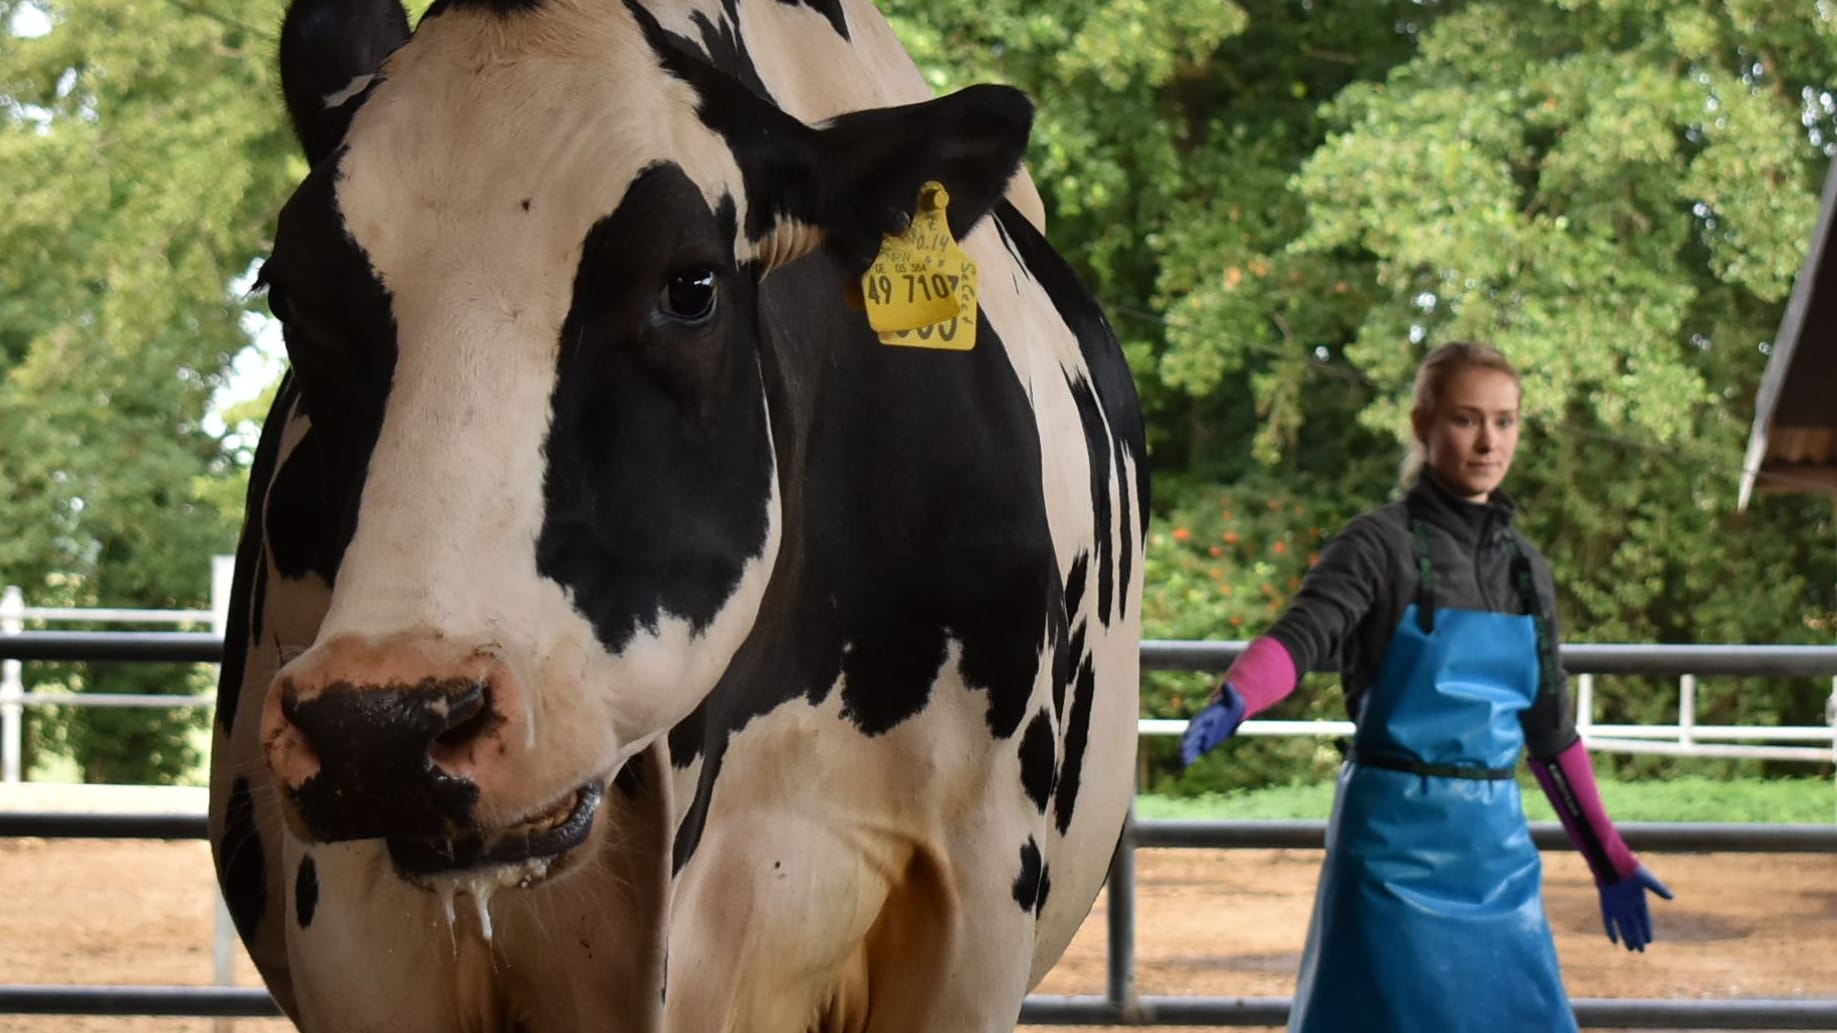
<point>535,446</point>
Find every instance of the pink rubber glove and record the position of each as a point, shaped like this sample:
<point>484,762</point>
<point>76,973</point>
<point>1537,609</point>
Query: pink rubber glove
<point>1568,779</point>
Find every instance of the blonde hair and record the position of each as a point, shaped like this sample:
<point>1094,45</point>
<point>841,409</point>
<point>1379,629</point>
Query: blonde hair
<point>1438,367</point>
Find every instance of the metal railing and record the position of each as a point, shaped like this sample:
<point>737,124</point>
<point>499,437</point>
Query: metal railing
<point>15,614</point>
<point>1585,661</point>
<point>1120,1005</point>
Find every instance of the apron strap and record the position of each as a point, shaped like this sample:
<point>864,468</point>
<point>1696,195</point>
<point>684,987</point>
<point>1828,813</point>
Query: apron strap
<point>1425,577</point>
<point>1549,674</point>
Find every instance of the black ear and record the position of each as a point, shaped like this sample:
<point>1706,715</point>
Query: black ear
<point>856,178</point>
<point>871,164</point>
<point>329,49</point>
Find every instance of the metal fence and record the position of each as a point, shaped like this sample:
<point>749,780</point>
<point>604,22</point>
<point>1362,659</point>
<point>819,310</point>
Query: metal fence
<point>1585,661</point>
<point>15,615</point>
<point>1120,1005</point>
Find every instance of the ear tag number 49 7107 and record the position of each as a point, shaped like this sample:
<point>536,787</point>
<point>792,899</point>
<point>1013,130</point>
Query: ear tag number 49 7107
<point>921,290</point>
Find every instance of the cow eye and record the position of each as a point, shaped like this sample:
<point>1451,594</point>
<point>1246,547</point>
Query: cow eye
<point>689,296</point>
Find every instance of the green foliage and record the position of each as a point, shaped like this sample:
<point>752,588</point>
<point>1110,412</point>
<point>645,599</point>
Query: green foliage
<point>1305,801</point>
<point>1690,798</point>
<point>145,155</point>
<point>1281,204</point>
<point>1284,207</point>
<point>1618,195</point>
<point>1221,564</point>
<point>1224,561</point>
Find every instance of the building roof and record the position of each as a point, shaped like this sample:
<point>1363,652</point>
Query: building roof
<point>1793,446</point>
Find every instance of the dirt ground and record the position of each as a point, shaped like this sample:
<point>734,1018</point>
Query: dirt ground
<point>1227,923</point>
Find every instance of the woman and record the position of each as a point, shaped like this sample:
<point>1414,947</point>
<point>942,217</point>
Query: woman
<point>1428,915</point>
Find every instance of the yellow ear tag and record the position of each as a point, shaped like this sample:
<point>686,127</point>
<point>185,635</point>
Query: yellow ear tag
<point>921,290</point>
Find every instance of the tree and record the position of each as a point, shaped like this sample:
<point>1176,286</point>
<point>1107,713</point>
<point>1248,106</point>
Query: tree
<point>1619,194</point>
<point>1281,203</point>
<point>1285,205</point>
<point>145,153</point>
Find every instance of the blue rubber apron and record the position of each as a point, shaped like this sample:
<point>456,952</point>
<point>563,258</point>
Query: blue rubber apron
<point>1429,916</point>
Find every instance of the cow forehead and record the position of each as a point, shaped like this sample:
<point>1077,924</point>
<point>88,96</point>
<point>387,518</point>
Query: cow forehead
<point>493,144</point>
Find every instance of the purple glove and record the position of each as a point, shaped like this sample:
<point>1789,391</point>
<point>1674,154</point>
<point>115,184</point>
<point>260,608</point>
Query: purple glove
<point>1623,908</point>
<point>1213,725</point>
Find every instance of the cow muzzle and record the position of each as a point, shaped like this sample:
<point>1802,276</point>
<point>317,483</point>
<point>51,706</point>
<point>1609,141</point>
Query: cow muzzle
<point>402,741</point>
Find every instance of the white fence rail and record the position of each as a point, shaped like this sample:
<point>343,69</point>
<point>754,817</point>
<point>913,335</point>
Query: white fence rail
<point>15,615</point>
<point>1815,744</point>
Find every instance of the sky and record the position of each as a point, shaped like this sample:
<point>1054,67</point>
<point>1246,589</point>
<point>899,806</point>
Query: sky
<point>30,22</point>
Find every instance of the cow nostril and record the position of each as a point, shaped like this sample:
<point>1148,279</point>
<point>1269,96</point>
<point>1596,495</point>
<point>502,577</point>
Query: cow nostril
<point>468,729</point>
<point>470,717</point>
<point>465,700</point>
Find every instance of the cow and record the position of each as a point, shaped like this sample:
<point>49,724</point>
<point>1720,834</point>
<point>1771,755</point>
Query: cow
<point>625,635</point>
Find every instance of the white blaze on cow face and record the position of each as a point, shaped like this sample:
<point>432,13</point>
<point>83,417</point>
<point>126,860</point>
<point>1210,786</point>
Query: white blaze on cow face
<point>470,183</point>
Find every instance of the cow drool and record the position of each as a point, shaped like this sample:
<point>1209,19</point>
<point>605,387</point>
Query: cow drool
<point>518,855</point>
<point>480,864</point>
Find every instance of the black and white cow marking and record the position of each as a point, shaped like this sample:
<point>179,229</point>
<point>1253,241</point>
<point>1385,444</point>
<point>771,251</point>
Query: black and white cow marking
<point>626,639</point>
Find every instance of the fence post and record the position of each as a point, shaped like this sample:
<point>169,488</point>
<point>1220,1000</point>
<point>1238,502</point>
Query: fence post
<point>1830,715</point>
<point>1120,920</point>
<point>1687,709</point>
<point>223,932</point>
<point>1585,704</point>
<point>12,686</point>
<point>222,575</point>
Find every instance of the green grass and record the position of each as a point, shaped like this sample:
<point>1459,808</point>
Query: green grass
<point>1782,801</point>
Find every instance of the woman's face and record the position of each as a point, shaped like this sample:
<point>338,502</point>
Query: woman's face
<point>1473,434</point>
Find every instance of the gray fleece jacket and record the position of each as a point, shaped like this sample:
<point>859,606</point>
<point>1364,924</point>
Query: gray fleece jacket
<point>1350,603</point>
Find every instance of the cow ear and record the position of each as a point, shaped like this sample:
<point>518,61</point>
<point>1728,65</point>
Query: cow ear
<point>871,164</point>
<point>330,50</point>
